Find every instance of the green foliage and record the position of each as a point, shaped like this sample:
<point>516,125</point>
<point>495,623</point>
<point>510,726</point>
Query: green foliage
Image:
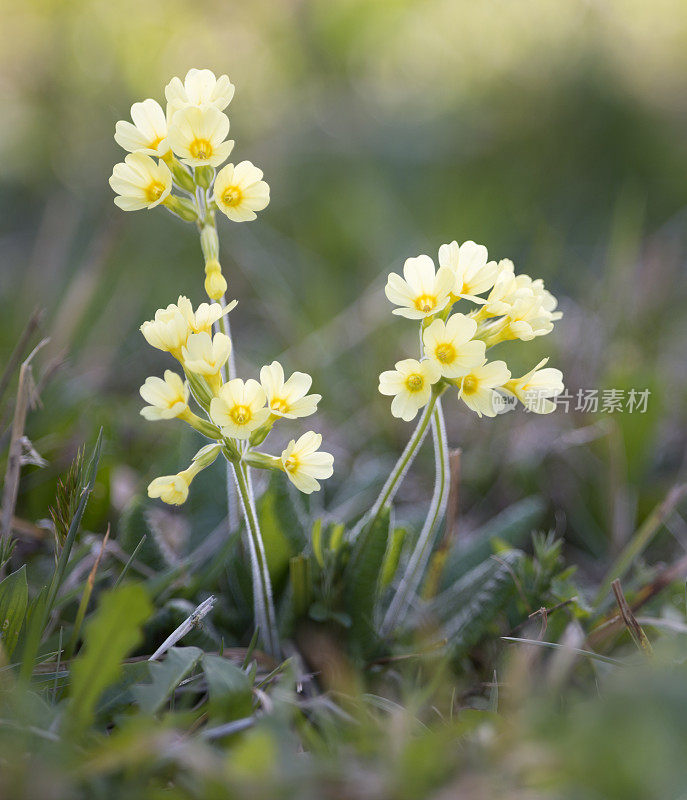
<point>362,583</point>
<point>469,609</point>
<point>512,526</point>
<point>165,677</point>
<point>110,635</point>
<point>133,526</point>
<point>67,497</point>
<point>281,524</point>
<point>229,688</point>
<point>14,597</point>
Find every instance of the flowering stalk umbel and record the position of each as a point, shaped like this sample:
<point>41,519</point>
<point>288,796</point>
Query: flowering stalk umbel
<point>453,357</point>
<point>175,160</point>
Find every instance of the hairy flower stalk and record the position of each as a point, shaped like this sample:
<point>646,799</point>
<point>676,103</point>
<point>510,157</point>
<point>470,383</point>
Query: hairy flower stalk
<point>175,160</point>
<point>401,467</point>
<point>265,618</point>
<point>409,583</point>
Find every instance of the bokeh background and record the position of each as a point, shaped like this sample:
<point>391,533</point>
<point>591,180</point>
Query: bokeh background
<point>554,133</point>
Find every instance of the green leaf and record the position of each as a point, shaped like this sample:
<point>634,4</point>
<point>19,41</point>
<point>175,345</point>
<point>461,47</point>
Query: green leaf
<point>281,527</point>
<point>41,610</point>
<point>166,676</point>
<point>109,635</point>
<point>14,597</point>
<point>362,582</point>
<point>469,608</point>
<point>392,556</point>
<point>133,526</point>
<point>514,526</point>
<point>229,687</point>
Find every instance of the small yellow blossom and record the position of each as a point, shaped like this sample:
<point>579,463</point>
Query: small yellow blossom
<point>199,88</point>
<point>168,398</point>
<point>472,271</point>
<point>240,191</point>
<point>477,387</point>
<point>410,384</point>
<point>288,398</point>
<point>171,489</point>
<point>451,347</point>
<point>240,408</point>
<point>207,314</point>
<point>421,292</point>
<point>148,134</point>
<point>171,327</point>
<point>304,464</point>
<point>140,182</point>
<point>197,136</point>
<point>206,356</point>
<point>498,299</point>
<point>535,388</point>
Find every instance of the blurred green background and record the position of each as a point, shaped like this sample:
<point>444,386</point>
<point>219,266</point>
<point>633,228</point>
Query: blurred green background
<point>554,133</point>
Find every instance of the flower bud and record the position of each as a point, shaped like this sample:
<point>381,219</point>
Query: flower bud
<point>215,283</point>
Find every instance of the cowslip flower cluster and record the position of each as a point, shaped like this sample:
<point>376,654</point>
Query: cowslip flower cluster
<point>173,161</point>
<point>237,414</point>
<point>175,158</point>
<point>503,306</point>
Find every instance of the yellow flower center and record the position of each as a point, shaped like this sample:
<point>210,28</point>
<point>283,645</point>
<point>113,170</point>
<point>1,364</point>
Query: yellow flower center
<point>200,148</point>
<point>425,303</point>
<point>291,464</point>
<point>279,405</point>
<point>241,414</point>
<point>445,353</point>
<point>414,382</point>
<point>155,142</point>
<point>232,196</point>
<point>154,191</point>
<point>470,384</point>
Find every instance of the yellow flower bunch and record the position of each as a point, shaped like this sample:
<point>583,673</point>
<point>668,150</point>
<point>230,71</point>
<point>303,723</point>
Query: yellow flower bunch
<point>454,344</point>
<point>173,160</point>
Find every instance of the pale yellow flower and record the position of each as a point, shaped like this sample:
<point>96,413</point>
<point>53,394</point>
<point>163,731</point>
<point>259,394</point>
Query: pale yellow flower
<point>421,292</point>
<point>148,134</point>
<point>197,136</point>
<point>410,384</point>
<point>451,347</point>
<point>535,389</point>
<point>240,408</point>
<point>168,398</point>
<point>140,182</point>
<point>469,264</point>
<point>240,191</point>
<point>477,387</point>
<point>304,464</point>
<point>288,398</point>
<point>171,327</point>
<point>199,88</point>
<point>207,314</point>
<point>532,311</point>
<point>171,489</point>
<point>498,299</point>
<point>206,356</point>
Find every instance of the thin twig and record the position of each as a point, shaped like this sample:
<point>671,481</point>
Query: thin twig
<point>11,488</point>
<point>192,621</point>
<point>634,628</point>
<point>30,328</point>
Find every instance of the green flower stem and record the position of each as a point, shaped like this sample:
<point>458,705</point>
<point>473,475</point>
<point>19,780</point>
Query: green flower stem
<point>402,465</point>
<point>265,619</point>
<point>210,247</point>
<point>415,568</point>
